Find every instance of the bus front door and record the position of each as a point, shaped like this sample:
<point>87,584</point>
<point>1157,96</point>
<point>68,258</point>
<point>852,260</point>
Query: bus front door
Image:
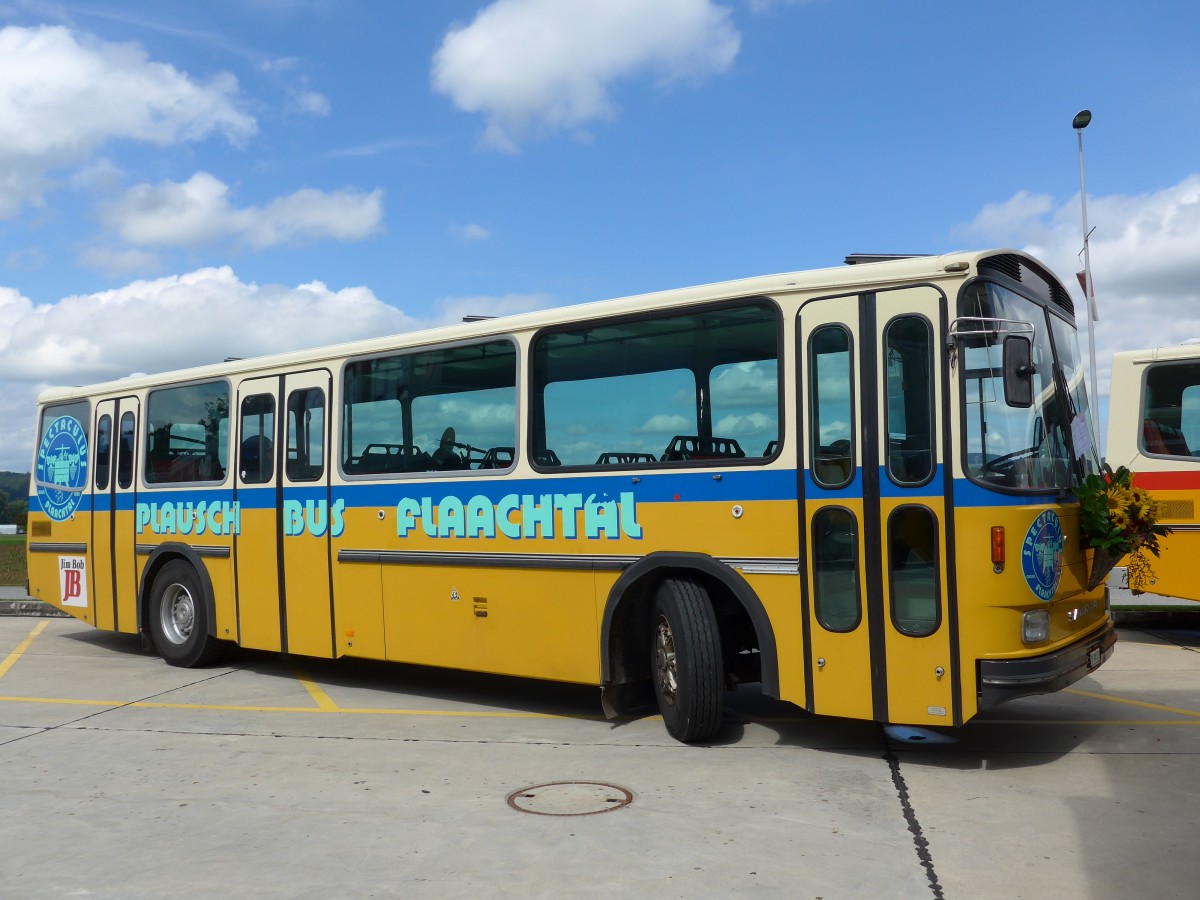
<point>876,598</point>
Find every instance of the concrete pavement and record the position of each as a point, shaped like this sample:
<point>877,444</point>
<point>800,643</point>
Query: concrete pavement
<point>289,777</point>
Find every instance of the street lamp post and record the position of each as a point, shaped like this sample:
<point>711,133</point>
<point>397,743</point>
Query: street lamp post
<point>1081,121</point>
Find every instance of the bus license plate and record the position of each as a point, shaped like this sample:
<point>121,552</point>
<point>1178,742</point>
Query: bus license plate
<point>1095,656</point>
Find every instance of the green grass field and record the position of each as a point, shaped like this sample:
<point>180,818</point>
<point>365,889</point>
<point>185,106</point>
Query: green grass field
<point>12,559</point>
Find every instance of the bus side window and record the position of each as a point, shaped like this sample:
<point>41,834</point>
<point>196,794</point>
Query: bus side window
<point>698,386</point>
<point>187,433</point>
<point>439,409</point>
<point>1171,410</point>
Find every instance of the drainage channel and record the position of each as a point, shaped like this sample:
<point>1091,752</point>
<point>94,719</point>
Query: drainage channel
<point>570,798</point>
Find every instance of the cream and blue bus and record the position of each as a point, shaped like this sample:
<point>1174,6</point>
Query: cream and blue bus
<point>849,485</point>
<point>1154,430</point>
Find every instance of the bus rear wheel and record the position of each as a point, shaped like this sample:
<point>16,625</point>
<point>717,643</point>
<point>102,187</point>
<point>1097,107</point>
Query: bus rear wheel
<point>685,661</point>
<point>178,619</point>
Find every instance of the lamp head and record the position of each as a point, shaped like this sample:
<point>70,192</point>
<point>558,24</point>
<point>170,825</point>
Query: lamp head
<point>1082,119</point>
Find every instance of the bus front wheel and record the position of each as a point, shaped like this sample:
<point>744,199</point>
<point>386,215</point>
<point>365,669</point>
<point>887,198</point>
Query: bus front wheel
<point>178,619</point>
<point>685,661</point>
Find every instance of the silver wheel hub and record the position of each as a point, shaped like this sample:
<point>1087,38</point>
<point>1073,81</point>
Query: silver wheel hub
<point>666,669</point>
<point>178,613</point>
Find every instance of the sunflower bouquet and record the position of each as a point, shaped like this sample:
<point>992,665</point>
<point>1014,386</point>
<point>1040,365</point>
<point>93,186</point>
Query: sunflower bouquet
<point>1117,519</point>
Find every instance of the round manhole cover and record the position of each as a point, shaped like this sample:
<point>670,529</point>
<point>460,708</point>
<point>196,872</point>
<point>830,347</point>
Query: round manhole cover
<point>570,798</point>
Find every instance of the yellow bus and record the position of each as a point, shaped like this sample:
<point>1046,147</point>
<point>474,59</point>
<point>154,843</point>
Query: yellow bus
<point>850,485</point>
<point>1154,431</point>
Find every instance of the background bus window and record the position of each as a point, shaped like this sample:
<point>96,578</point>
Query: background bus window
<point>701,386</point>
<point>256,451</point>
<point>908,349</point>
<point>912,558</point>
<point>306,435</point>
<point>436,410</point>
<point>103,452</point>
<point>835,569</point>
<point>832,430</point>
<point>1171,414</point>
<point>187,431</point>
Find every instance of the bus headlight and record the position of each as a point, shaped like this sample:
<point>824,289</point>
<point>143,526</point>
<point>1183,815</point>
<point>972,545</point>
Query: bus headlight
<point>1035,626</point>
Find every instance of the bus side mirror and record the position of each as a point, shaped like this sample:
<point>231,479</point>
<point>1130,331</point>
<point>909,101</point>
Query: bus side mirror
<point>1018,371</point>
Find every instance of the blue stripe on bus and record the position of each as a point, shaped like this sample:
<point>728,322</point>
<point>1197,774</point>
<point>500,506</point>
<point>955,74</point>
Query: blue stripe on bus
<point>773,484</point>
<point>969,494</point>
<point>666,487</point>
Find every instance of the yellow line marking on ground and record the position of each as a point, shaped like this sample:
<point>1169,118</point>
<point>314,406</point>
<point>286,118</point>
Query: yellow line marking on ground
<point>1141,703</point>
<point>12,658</point>
<point>314,690</point>
<point>1148,723</point>
<point>153,704</point>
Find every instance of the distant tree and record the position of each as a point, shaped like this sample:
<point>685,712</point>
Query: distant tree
<point>14,491</point>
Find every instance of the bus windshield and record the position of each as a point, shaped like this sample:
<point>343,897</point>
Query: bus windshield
<point>1048,446</point>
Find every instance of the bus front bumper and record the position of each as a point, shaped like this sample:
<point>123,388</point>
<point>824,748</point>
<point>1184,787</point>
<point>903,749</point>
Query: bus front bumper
<point>1001,680</point>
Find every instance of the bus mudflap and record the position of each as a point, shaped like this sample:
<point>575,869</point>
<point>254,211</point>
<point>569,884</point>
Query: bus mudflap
<point>1001,680</point>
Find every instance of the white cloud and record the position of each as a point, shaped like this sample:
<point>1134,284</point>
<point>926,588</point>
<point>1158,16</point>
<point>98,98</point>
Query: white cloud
<point>543,66</point>
<point>470,232</point>
<point>312,103</point>
<point>1145,253</point>
<point>198,211</point>
<point>210,314</point>
<point>765,6</point>
<point>63,95</point>
<point>295,83</point>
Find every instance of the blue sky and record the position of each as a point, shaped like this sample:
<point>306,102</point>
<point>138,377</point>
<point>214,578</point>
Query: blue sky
<point>183,181</point>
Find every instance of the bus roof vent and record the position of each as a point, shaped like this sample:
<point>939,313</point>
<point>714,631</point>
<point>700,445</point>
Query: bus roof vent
<point>1005,264</point>
<point>1033,277</point>
<point>855,259</point>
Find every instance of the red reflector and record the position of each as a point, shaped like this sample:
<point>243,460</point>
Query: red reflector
<point>997,545</point>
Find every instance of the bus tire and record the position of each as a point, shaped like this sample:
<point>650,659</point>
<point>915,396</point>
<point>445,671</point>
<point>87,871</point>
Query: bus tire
<point>178,620</point>
<point>685,661</point>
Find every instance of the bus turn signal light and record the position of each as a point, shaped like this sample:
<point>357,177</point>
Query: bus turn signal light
<point>997,548</point>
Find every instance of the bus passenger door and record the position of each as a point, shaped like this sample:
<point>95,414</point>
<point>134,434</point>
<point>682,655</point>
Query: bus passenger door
<point>104,488</point>
<point>283,572</point>
<point>879,614</point>
<point>258,494</point>
<point>309,520</point>
<point>839,664</point>
<point>916,638</point>
<point>114,579</point>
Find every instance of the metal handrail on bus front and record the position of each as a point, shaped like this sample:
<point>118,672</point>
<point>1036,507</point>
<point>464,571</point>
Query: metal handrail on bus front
<point>1022,327</point>
<point>998,327</point>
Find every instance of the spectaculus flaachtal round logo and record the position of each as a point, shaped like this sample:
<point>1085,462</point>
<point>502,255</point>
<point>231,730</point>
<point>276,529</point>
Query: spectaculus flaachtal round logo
<point>1041,555</point>
<point>62,468</point>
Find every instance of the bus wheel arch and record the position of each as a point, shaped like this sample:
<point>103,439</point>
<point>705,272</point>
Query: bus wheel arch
<point>628,624</point>
<point>177,607</point>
